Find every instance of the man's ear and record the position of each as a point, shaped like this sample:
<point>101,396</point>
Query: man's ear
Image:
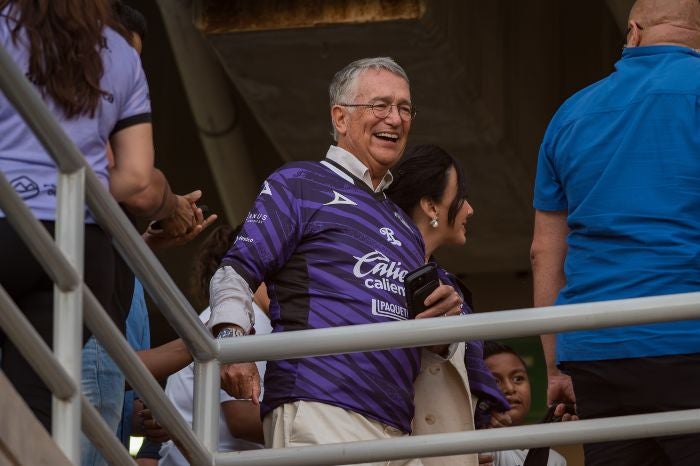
<point>634,34</point>
<point>340,120</point>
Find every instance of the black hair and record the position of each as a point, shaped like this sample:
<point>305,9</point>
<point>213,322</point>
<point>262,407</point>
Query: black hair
<point>208,260</point>
<point>492,348</point>
<point>423,172</point>
<point>132,19</point>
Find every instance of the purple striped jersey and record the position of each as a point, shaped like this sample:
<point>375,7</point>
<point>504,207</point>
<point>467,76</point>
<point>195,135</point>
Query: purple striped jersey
<point>332,253</point>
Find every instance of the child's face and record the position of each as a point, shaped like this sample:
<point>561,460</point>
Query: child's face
<point>512,379</point>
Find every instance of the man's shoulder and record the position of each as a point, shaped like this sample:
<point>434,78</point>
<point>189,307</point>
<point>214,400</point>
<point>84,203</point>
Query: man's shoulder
<point>291,170</point>
<point>307,174</point>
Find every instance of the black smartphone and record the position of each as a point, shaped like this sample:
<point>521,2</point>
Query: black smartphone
<point>569,408</point>
<point>419,283</point>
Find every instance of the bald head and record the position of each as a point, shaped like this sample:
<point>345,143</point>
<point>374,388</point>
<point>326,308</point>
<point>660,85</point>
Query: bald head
<point>676,22</point>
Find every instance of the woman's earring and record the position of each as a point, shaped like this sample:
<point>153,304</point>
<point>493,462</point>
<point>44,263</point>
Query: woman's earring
<point>434,222</point>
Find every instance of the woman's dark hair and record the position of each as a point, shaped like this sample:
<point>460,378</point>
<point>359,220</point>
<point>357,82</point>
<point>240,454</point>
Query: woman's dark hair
<point>212,250</point>
<point>422,172</point>
<point>492,348</point>
<point>65,39</point>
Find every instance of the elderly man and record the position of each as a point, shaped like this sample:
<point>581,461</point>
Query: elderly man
<point>334,251</point>
<point>618,201</point>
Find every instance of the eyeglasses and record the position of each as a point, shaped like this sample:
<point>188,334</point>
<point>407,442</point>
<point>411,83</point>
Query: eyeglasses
<point>382,110</point>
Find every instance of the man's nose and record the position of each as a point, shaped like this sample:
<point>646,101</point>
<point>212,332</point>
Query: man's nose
<point>393,116</point>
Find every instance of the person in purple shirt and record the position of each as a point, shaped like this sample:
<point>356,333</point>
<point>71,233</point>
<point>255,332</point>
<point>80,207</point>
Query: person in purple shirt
<point>92,82</point>
<point>334,251</point>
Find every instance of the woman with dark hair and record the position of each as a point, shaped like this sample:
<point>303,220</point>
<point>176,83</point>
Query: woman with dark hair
<point>430,186</point>
<point>92,83</point>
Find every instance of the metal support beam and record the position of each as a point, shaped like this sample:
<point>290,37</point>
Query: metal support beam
<point>68,309</point>
<point>205,416</point>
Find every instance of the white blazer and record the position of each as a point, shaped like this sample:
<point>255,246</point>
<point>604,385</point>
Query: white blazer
<point>443,403</point>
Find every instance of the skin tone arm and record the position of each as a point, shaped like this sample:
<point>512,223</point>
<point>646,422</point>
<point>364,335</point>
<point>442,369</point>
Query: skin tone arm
<point>144,189</point>
<point>243,420</point>
<point>166,359</point>
<point>547,255</point>
<point>132,148</point>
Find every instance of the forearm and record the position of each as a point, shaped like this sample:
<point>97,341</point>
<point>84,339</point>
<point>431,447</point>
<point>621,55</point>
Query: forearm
<point>156,201</point>
<point>243,420</point>
<point>166,359</point>
<point>549,348</point>
<point>547,256</point>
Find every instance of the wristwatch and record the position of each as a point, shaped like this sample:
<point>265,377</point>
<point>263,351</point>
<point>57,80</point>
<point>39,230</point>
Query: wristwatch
<point>228,332</point>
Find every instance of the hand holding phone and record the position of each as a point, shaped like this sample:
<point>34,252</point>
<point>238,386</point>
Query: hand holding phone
<point>419,284</point>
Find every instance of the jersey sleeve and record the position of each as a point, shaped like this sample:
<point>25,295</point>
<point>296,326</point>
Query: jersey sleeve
<point>271,231</point>
<point>131,88</point>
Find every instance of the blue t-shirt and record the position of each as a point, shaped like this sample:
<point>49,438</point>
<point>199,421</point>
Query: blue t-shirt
<point>622,157</point>
<point>24,161</point>
<point>332,253</point>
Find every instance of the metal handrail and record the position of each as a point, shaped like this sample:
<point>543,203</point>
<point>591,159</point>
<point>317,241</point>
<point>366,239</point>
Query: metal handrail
<point>99,433</point>
<point>38,240</point>
<point>490,325</point>
<point>455,443</point>
<point>109,215</point>
<point>33,348</point>
<point>140,378</point>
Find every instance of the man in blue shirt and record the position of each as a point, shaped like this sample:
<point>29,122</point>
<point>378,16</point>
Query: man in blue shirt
<point>618,201</point>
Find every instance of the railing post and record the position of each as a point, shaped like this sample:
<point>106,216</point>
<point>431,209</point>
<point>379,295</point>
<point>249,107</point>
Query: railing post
<point>205,417</point>
<point>68,309</point>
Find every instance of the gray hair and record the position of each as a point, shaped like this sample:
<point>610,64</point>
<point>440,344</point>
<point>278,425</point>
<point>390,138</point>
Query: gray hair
<point>342,88</point>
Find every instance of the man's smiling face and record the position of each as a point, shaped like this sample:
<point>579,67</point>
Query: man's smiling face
<point>377,142</point>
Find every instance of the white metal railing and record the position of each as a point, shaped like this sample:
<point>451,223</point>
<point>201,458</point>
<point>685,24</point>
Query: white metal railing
<point>63,267</point>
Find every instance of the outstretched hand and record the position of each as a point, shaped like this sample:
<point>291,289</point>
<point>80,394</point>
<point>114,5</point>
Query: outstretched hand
<point>182,219</point>
<point>160,238</point>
